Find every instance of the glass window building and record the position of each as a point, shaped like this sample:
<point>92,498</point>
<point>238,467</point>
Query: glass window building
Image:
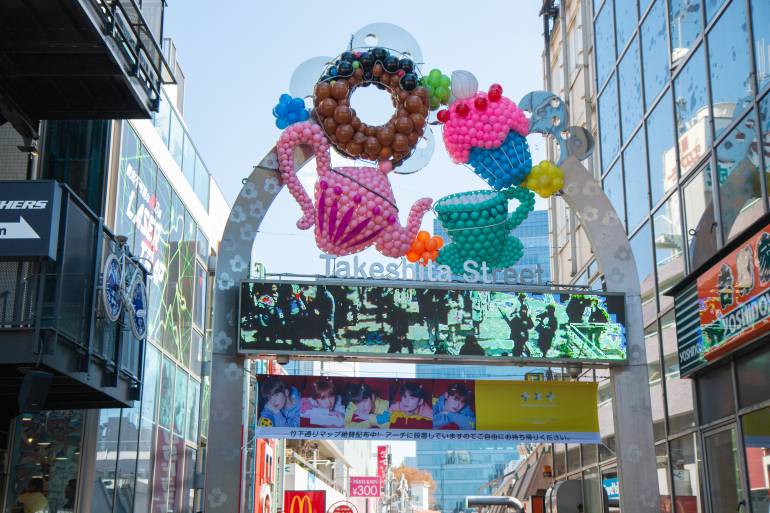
<point>676,96</point>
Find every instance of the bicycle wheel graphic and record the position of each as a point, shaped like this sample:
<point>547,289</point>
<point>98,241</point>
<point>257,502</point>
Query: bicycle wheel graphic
<point>137,294</point>
<point>111,293</point>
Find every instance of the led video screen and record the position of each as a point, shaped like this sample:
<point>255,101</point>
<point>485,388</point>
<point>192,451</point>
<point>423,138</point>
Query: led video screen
<point>415,322</point>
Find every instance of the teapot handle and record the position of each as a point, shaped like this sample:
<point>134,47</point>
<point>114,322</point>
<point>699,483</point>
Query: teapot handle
<point>526,199</point>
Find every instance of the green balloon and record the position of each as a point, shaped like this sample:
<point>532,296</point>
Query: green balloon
<point>442,92</point>
<point>435,74</point>
<point>444,81</point>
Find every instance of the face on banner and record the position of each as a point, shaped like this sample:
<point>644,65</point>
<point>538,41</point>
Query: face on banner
<point>317,407</point>
<point>410,323</point>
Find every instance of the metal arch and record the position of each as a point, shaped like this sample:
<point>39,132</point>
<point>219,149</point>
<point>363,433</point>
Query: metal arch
<point>631,400</point>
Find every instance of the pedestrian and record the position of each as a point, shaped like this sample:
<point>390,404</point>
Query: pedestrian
<point>546,329</point>
<point>519,323</point>
<point>324,310</point>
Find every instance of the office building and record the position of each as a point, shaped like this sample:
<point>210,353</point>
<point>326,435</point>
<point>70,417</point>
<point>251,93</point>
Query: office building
<point>676,95</point>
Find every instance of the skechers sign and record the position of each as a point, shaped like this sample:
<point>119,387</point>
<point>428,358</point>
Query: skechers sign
<point>733,302</point>
<point>29,218</point>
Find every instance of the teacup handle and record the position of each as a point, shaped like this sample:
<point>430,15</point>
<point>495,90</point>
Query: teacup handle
<point>526,199</point>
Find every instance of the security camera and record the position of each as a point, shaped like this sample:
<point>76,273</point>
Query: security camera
<point>574,371</point>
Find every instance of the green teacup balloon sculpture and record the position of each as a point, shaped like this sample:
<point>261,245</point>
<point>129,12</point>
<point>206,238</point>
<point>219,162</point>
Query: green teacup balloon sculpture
<point>480,227</point>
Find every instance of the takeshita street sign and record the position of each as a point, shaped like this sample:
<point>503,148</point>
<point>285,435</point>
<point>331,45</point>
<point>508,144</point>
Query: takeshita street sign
<point>415,321</point>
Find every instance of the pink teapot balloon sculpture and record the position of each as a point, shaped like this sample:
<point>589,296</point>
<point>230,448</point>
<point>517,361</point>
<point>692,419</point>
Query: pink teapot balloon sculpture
<point>354,206</point>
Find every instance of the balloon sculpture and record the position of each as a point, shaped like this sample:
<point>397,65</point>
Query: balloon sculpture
<point>354,207</point>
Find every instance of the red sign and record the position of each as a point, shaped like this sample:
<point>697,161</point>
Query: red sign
<point>734,297</point>
<point>365,486</point>
<point>382,464</point>
<point>343,507</point>
<point>304,501</point>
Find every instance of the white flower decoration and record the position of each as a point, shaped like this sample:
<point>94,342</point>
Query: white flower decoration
<point>230,318</point>
<point>237,215</point>
<point>247,232</point>
<point>222,341</point>
<point>271,185</point>
<point>623,253</point>
<point>249,190</point>
<point>589,214</point>
<point>571,189</point>
<point>615,275</point>
<point>592,188</point>
<point>225,282</point>
<point>217,498</point>
<point>270,161</point>
<point>238,264</point>
<point>257,209</point>
<point>610,218</point>
<point>232,372</point>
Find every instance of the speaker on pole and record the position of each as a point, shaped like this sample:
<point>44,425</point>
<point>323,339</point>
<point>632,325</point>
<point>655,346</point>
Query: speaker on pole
<point>34,390</point>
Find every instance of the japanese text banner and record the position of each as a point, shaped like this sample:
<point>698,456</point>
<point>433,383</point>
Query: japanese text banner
<point>313,407</point>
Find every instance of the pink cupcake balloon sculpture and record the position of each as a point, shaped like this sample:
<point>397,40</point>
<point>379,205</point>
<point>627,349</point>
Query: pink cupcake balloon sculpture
<point>354,207</point>
<point>487,131</point>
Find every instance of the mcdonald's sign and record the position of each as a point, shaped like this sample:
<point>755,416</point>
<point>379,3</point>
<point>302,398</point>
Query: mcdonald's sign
<point>304,501</point>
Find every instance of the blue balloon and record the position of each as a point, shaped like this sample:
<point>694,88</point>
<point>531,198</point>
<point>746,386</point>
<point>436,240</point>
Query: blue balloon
<point>292,117</point>
<point>281,110</point>
<point>285,99</point>
<point>297,104</point>
<point>304,115</point>
<point>281,123</point>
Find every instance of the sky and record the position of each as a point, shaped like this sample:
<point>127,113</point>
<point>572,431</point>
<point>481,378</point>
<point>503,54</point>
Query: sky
<point>238,60</point>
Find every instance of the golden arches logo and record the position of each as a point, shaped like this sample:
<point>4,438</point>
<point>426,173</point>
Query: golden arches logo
<point>302,500</point>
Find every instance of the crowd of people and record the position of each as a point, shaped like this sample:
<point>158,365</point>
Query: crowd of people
<point>287,314</point>
<point>364,404</point>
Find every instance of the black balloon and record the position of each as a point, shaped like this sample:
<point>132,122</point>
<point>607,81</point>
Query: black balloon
<point>408,81</point>
<point>380,54</point>
<point>344,68</point>
<point>367,60</point>
<point>347,56</point>
<point>390,64</point>
<point>407,65</point>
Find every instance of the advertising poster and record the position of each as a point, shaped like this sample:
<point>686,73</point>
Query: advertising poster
<point>382,465</point>
<point>413,322</point>
<point>365,486</point>
<point>304,501</point>
<point>733,302</point>
<point>324,407</point>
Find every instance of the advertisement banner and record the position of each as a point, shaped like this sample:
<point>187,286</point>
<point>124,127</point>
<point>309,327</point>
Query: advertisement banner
<point>366,486</point>
<point>315,407</point>
<point>304,501</point>
<point>420,323</point>
<point>733,302</point>
<point>382,465</point>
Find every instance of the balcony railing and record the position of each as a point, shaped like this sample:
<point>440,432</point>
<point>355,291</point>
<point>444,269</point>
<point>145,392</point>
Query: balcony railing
<point>60,304</point>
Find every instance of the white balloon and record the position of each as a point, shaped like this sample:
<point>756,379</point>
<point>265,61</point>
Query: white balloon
<point>464,84</point>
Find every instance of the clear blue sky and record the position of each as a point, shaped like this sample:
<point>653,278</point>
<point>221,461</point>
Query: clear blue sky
<point>238,57</point>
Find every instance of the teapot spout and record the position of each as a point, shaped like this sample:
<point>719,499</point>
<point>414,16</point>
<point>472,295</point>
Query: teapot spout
<point>402,237</point>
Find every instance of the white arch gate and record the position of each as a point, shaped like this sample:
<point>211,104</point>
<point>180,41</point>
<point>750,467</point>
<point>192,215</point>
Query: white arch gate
<point>631,399</point>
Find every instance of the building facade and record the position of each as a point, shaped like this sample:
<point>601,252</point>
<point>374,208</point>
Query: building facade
<point>676,95</point>
<point>149,184</point>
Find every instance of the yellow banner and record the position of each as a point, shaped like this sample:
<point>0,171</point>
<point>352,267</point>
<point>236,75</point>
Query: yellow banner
<point>546,406</point>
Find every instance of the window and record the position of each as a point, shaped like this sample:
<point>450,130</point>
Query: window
<point>176,139</point>
<point>669,246</point>
<point>642,250</point>
<point>729,65</point>
<point>661,154</point>
<point>202,182</point>
<point>654,376</point>
<point>625,22</point>
<point>191,431</point>
<point>655,49</point>
<point>753,378</point>
<point>609,126</point>
<point>166,398</point>
<point>180,395</point>
<point>199,307</point>
<point>661,457</point>
<point>107,455</point>
<point>699,217</point>
<point>685,20</point>
<point>692,112</point>
<point>188,162</point>
<point>685,465</point>
<point>760,14</point>
<point>162,119</point>
<point>635,171</point>
<point>613,188</point>
<point>739,178</point>
<point>629,75</point>
<point>679,396</point>
<point>715,395</point>
<point>756,441</point>
<point>723,471</point>
<point>604,32</point>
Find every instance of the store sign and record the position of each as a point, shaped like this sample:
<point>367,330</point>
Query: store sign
<point>612,487</point>
<point>733,303</point>
<point>382,465</point>
<point>429,323</point>
<point>304,501</point>
<point>365,486</point>
<point>343,507</point>
<point>350,408</point>
<point>29,218</point>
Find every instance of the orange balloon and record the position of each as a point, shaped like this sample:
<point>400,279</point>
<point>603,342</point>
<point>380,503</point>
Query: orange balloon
<point>426,256</point>
<point>434,254</point>
<point>412,256</point>
<point>430,245</point>
<point>418,246</point>
<point>423,236</point>
<point>439,241</point>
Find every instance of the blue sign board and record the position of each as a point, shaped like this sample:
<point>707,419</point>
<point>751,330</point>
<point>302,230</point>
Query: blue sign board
<point>29,218</point>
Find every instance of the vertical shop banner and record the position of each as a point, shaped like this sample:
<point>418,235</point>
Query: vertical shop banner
<point>733,302</point>
<point>323,407</point>
<point>304,501</point>
<point>382,466</point>
<point>366,486</point>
